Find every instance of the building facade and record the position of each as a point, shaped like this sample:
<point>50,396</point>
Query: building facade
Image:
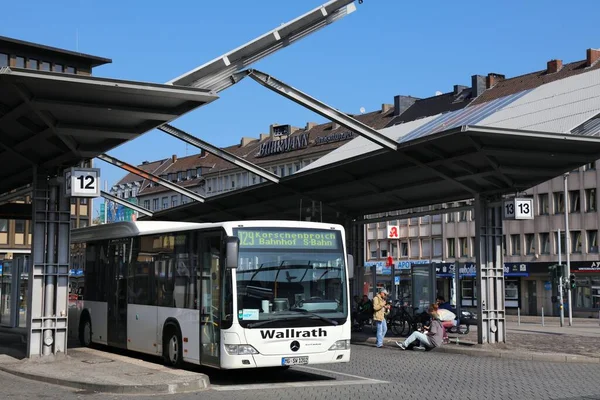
<point>530,246</point>
<point>15,235</point>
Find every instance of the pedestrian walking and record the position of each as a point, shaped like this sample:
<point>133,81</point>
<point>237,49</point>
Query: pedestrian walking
<point>380,307</point>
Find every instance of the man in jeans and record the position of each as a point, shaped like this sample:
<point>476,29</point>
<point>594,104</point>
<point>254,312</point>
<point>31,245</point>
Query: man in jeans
<point>380,307</point>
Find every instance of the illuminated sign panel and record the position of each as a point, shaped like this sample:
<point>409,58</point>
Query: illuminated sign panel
<point>307,239</point>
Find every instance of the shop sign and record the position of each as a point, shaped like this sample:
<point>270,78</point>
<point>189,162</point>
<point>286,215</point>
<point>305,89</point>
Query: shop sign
<point>586,267</point>
<point>290,143</point>
<point>516,269</point>
<point>336,137</point>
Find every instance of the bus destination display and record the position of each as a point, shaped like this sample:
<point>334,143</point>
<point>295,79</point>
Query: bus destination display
<point>288,239</point>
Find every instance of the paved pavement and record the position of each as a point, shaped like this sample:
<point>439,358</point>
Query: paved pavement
<point>98,371</point>
<point>372,373</point>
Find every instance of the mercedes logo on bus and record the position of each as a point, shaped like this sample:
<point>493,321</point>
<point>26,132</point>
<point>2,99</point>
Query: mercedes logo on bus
<point>295,345</point>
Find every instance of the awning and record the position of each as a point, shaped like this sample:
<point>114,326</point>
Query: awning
<point>57,120</point>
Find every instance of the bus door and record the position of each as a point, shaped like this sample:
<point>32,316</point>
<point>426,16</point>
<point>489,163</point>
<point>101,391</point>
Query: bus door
<point>118,252</point>
<point>210,271</point>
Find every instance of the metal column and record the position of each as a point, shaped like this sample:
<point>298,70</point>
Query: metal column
<point>491,322</point>
<point>49,272</point>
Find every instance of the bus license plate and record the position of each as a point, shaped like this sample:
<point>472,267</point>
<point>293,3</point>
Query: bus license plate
<point>294,360</point>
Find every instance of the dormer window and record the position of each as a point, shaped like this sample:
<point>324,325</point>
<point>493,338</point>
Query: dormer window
<point>180,176</point>
<point>189,174</point>
<point>199,171</point>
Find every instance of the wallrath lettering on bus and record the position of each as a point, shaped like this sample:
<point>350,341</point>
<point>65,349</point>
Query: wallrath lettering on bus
<point>292,333</point>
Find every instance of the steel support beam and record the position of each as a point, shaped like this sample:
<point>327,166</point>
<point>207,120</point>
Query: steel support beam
<point>151,177</point>
<point>491,321</point>
<point>222,154</point>
<point>14,195</point>
<point>413,215</point>
<point>125,203</point>
<point>216,74</point>
<point>49,273</point>
<point>319,107</point>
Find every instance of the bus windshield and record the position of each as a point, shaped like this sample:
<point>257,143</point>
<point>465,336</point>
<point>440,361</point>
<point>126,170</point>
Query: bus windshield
<point>290,277</point>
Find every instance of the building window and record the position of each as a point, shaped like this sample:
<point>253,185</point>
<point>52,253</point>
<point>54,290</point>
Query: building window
<point>463,244</point>
<point>394,250</point>
<point>544,204</point>
<point>437,218</point>
<point>297,166</point>
<point>426,247</point>
<point>83,222</point>
<point>165,202</point>
<point>437,247</point>
<point>592,241</point>
<point>174,201</point>
<point>515,244</point>
<point>19,226</point>
<point>83,201</point>
<point>414,248</point>
<point>451,244</point>
<point>3,225</point>
<point>462,215</point>
<point>147,204</point>
<point>233,183</point>
<point>590,200</point>
<point>3,60</point>
<point>58,68</point>
<point>20,62</point>
<point>574,205</point>
<point>590,166</point>
<point>373,250</point>
<point>545,243</point>
<point>425,219</point>
<point>529,243</point>
<point>414,221</point>
<point>562,242</point>
<point>33,64</point>
<point>559,203</point>
<point>575,241</point>
<point>180,176</point>
<point>451,217</point>
<point>70,70</point>
<point>404,249</point>
<point>44,66</point>
<point>155,204</point>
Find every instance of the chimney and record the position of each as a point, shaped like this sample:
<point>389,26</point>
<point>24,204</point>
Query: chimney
<point>593,55</point>
<point>402,103</point>
<point>459,88</point>
<point>554,66</point>
<point>203,153</point>
<point>386,107</point>
<point>493,79</point>
<point>264,136</point>
<point>174,158</point>
<point>477,85</point>
<point>310,125</point>
<point>334,126</point>
<point>246,141</point>
<point>145,162</point>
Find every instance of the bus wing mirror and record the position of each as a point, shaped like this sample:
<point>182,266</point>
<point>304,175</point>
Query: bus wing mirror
<point>233,252</point>
<point>350,266</point>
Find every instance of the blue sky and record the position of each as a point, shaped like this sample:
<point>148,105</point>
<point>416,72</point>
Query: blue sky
<point>387,47</point>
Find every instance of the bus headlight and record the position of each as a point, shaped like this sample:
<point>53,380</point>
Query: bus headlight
<point>341,345</point>
<point>240,349</point>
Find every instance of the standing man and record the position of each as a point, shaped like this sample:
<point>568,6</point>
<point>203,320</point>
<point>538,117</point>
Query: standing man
<point>379,308</point>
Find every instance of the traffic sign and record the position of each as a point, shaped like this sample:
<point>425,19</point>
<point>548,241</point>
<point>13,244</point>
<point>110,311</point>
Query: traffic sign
<point>396,280</point>
<point>82,182</point>
<point>518,208</point>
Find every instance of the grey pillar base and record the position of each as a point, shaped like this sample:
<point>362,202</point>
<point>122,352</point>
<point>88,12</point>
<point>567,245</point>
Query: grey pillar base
<point>49,273</point>
<point>491,324</point>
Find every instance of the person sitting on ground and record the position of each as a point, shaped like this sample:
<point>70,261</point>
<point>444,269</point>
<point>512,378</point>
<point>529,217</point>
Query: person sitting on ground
<point>443,304</point>
<point>431,338</point>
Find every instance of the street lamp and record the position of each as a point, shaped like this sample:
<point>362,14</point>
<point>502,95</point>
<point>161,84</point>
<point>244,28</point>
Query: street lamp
<point>567,246</point>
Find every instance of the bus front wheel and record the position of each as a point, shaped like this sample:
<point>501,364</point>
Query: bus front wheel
<point>172,347</point>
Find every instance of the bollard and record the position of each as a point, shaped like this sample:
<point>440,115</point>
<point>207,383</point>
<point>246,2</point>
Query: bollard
<point>598,317</point>
<point>542,316</point>
<point>519,316</point>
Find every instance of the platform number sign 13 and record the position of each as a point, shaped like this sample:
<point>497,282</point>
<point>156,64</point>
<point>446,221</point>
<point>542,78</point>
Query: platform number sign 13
<point>518,208</point>
<point>82,182</point>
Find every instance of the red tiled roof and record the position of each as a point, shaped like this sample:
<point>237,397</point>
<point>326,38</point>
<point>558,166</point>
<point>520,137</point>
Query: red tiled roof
<point>533,80</point>
<point>212,164</point>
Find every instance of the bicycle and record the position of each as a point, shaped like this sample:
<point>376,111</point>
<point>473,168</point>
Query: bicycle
<point>402,323</point>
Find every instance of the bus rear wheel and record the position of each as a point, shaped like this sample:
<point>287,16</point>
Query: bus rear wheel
<point>172,347</point>
<point>85,331</point>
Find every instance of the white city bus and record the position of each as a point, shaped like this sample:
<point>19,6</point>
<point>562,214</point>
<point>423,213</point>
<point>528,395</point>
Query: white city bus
<point>241,294</point>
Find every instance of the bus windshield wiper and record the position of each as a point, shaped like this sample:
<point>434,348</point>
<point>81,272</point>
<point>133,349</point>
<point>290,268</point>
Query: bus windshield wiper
<point>268,321</point>
<point>314,315</point>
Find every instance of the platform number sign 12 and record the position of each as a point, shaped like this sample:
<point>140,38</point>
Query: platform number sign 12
<point>518,208</point>
<point>82,182</point>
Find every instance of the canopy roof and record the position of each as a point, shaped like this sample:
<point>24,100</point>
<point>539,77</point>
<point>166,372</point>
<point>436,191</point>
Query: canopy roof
<point>57,120</point>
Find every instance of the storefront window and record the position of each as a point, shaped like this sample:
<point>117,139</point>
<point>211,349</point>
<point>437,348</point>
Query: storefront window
<point>511,293</point>
<point>468,292</point>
